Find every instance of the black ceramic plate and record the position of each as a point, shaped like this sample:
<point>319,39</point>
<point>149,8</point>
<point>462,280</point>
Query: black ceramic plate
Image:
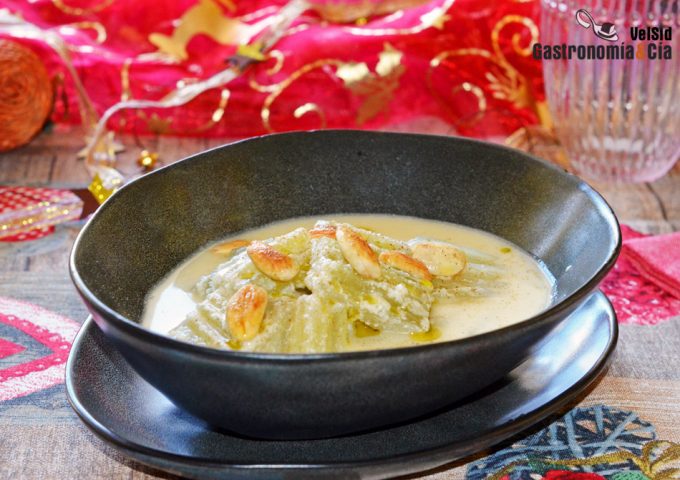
<point>125,410</point>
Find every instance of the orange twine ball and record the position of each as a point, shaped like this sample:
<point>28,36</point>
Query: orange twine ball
<point>25,95</point>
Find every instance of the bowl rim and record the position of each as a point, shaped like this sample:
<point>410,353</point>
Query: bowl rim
<point>130,327</point>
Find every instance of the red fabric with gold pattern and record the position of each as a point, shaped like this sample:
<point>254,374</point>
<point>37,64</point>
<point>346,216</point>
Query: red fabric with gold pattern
<point>467,62</point>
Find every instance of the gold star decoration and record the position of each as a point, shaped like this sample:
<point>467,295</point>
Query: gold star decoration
<point>247,54</point>
<point>376,89</point>
<point>104,183</point>
<point>105,150</point>
<point>147,160</point>
<point>158,125</point>
<point>252,51</point>
<point>436,18</point>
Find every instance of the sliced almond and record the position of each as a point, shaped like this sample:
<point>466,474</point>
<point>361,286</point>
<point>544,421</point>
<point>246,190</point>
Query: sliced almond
<point>227,248</point>
<point>358,252</point>
<point>323,231</point>
<point>274,264</point>
<point>440,259</point>
<point>407,264</point>
<point>245,311</point>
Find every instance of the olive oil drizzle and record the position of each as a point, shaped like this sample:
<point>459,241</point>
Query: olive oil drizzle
<point>430,336</point>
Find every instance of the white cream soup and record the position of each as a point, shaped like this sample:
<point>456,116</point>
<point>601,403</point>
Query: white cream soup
<point>520,286</point>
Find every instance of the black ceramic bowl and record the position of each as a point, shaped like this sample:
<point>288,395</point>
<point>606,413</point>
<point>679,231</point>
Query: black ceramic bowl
<point>152,224</point>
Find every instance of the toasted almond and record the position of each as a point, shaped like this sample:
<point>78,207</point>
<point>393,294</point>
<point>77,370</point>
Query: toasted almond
<point>358,252</point>
<point>407,264</point>
<point>440,259</point>
<point>274,264</point>
<point>324,231</point>
<point>245,311</point>
<point>227,248</point>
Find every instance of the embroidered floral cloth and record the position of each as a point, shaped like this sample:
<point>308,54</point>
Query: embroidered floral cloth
<point>588,443</point>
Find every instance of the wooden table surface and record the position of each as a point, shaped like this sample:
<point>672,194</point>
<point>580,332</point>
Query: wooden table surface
<point>40,436</point>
